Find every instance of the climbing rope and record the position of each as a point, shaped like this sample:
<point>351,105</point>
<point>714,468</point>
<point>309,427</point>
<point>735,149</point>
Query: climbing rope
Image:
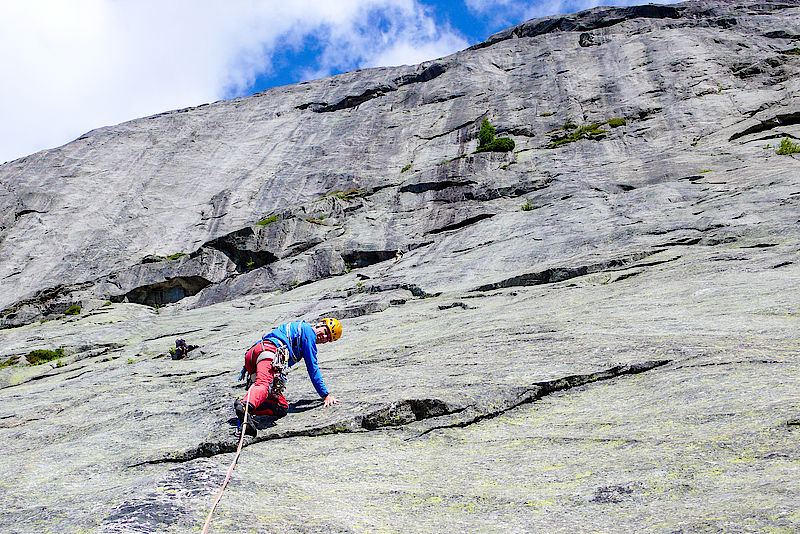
<point>233,464</point>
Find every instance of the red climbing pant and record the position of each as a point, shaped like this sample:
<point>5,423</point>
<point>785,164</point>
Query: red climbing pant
<point>265,403</point>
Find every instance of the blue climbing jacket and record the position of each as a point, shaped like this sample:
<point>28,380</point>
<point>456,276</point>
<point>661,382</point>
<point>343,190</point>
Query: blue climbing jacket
<point>301,340</point>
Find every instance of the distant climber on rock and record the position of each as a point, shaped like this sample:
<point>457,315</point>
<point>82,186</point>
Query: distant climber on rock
<point>180,349</point>
<point>267,362</point>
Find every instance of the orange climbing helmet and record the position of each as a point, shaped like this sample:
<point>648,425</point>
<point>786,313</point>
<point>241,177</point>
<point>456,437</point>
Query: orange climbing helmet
<point>334,327</point>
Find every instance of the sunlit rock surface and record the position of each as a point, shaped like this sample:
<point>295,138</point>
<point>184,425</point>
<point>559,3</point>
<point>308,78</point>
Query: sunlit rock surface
<point>620,355</point>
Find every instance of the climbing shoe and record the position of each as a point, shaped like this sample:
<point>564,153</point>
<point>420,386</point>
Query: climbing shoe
<point>249,426</point>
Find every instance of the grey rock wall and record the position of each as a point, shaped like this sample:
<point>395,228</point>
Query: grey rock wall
<point>620,355</point>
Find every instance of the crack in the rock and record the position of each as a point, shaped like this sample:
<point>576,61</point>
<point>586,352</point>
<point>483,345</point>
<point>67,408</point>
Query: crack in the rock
<point>738,362</point>
<point>542,389</point>
<point>352,101</point>
<point>404,412</point>
<point>560,274</point>
<point>461,224</point>
<point>451,130</point>
<point>199,378</point>
<point>392,415</point>
<point>423,187</point>
<point>783,119</point>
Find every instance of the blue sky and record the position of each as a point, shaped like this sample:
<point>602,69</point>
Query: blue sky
<point>69,67</point>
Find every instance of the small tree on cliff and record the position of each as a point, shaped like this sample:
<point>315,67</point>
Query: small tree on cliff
<point>487,142</point>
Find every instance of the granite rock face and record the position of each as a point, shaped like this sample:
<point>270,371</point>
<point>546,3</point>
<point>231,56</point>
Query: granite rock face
<point>596,331</point>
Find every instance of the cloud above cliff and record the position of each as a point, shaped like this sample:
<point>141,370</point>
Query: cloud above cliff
<point>69,67</point>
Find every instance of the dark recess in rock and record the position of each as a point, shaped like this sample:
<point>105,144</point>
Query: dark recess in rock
<point>514,191</point>
<point>786,119</point>
<point>26,212</point>
<point>167,292</point>
<point>723,23</point>
<point>412,288</point>
<point>454,305</point>
<point>433,186</point>
<point>404,412</point>
<point>781,34</point>
<point>559,274</point>
<point>462,224</point>
<point>234,245</point>
<point>586,40</point>
<point>352,101</point>
<point>364,258</point>
<point>427,74</point>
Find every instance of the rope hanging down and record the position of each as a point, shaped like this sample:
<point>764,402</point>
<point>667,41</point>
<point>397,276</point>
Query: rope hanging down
<point>233,464</point>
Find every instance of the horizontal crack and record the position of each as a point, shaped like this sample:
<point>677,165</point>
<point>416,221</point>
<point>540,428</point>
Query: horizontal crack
<point>737,362</point>
<point>541,389</point>
<point>407,411</point>
<point>560,274</point>
<point>395,414</point>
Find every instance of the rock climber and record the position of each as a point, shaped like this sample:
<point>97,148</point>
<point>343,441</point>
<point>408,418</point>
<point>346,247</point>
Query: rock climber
<point>180,349</point>
<point>266,364</point>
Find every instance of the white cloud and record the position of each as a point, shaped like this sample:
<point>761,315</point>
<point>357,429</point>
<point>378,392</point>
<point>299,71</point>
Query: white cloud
<point>68,67</point>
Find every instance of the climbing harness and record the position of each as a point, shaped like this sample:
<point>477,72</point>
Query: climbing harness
<point>281,359</point>
<point>230,469</point>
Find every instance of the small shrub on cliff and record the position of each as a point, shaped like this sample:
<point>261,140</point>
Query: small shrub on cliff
<point>9,362</point>
<point>527,206</point>
<point>787,147</point>
<point>73,310</point>
<point>40,356</point>
<point>176,255</point>
<point>487,142</point>
<point>487,133</point>
<point>269,220</point>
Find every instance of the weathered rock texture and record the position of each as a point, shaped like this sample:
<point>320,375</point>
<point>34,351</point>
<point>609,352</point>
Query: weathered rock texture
<point>621,355</point>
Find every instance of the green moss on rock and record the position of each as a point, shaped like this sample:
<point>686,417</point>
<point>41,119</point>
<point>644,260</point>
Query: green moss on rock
<point>40,356</point>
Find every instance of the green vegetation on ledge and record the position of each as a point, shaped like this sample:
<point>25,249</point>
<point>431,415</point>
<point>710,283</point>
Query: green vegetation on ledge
<point>269,220</point>
<point>40,356</point>
<point>9,362</point>
<point>73,310</point>
<point>589,131</point>
<point>487,142</point>
<point>787,147</point>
